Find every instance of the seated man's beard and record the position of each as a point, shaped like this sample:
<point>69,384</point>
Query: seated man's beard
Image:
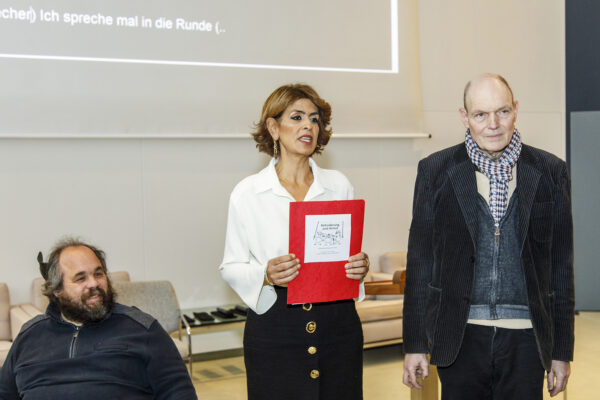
<point>79,311</point>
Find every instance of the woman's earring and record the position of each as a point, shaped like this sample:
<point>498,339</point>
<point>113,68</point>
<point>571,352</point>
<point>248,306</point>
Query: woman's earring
<point>275,151</point>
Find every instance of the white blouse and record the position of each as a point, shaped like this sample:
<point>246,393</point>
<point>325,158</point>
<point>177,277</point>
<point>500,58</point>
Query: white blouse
<point>258,228</point>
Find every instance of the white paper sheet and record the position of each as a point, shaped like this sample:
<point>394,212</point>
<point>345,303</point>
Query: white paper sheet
<point>327,237</point>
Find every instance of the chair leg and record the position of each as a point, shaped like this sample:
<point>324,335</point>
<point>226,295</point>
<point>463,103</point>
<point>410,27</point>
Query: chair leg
<point>188,332</point>
<point>430,386</point>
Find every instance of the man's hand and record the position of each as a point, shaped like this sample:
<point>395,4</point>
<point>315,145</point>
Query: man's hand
<point>416,368</point>
<point>557,377</point>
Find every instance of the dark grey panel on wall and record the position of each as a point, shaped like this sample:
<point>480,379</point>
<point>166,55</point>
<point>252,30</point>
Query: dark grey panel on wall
<point>585,179</point>
<point>582,55</point>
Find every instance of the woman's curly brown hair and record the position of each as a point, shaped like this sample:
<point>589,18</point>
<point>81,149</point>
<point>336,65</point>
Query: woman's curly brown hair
<point>275,105</point>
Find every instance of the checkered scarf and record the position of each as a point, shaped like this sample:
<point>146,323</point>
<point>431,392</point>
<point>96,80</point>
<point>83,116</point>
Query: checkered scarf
<point>499,172</point>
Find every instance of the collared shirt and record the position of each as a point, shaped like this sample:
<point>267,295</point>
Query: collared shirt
<point>483,185</point>
<point>258,228</point>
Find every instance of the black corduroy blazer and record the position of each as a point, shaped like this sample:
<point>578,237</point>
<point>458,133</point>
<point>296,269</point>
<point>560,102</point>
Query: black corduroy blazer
<point>441,253</point>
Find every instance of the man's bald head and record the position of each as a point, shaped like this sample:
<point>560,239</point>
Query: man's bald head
<point>489,113</point>
<point>483,77</point>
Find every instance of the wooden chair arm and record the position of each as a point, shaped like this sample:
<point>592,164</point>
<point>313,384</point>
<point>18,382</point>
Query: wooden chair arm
<point>400,278</point>
<point>394,286</point>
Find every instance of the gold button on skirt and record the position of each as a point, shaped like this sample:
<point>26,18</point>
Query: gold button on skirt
<point>311,327</point>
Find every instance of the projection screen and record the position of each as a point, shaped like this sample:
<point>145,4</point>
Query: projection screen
<point>153,68</point>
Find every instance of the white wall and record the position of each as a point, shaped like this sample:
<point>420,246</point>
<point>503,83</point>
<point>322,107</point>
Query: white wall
<point>158,207</point>
<point>521,40</point>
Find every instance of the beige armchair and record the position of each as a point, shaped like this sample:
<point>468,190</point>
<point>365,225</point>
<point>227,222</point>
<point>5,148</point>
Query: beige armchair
<point>5,331</point>
<point>158,299</point>
<point>381,314</point>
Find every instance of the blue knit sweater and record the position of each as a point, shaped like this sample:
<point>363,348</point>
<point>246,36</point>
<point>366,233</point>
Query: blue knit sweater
<point>126,355</point>
<point>498,284</point>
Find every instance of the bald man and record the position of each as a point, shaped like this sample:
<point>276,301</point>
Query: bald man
<point>489,280</point>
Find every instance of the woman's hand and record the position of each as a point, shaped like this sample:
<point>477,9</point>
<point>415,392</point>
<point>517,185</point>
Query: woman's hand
<point>358,266</point>
<point>282,270</point>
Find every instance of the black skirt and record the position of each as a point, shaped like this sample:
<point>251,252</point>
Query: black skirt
<point>310,351</point>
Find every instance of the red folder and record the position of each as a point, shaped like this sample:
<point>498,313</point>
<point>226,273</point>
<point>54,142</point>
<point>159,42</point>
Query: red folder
<point>323,281</point>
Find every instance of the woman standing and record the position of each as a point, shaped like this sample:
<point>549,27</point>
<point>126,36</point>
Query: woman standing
<point>308,351</point>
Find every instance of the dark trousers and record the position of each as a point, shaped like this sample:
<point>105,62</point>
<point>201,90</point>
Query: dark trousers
<point>494,363</point>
